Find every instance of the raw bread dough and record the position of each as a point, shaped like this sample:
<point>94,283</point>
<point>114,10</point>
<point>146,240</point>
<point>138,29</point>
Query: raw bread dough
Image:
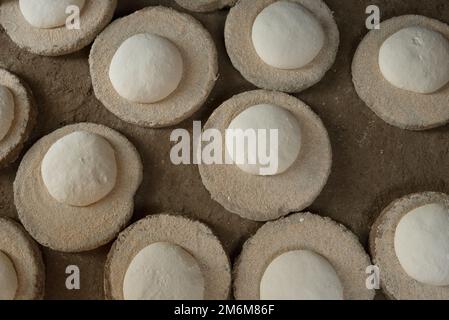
<point>416,59</point>
<point>422,244</point>
<point>79,169</point>
<point>163,271</point>
<point>6,111</point>
<point>47,14</point>
<point>287,36</point>
<point>146,68</point>
<point>266,117</point>
<point>300,275</point>
<point>8,278</point>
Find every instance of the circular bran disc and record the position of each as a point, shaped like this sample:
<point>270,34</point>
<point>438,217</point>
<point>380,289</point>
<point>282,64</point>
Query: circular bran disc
<point>205,5</point>
<point>303,231</point>
<point>263,198</point>
<point>195,237</point>
<point>395,282</point>
<point>239,45</point>
<point>200,66</point>
<point>74,229</point>
<point>26,258</point>
<point>95,15</point>
<point>400,108</point>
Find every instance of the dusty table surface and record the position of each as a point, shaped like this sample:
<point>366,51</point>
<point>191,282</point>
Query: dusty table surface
<point>374,163</point>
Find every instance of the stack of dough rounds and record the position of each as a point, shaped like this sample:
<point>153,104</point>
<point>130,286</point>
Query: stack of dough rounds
<point>410,244</point>
<point>305,157</point>
<point>39,26</point>
<point>205,5</point>
<point>154,68</point>
<point>22,271</point>
<point>302,257</point>
<point>17,116</point>
<point>167,257</point>
<point>402,70</point>
<point>282,45</point>
<point>74,190</point>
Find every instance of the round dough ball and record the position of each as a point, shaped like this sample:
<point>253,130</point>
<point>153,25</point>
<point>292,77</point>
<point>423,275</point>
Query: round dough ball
<point>287,36</point>
<point>421,243</point>
<point>79,169</point>
<point>8,278</point>
<point>47,14</point>
<point>163,271</point>
<point>300,275</point>
<point>146,68</point>
<point>260,119</point>
<point>415,59</point>
<point>6,111</point>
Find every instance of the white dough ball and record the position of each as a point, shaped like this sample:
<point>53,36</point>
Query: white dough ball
<point>46,14</point>
<point>300,275</point>
<point>8,278</point>
<point>415,59</point>
<point>287,36</point>
<point>421,243</point>
<point>163,271</point>
<point>146,68</point>
<point>6,111</point>
<point>79,169</point>
<point>261,119</point>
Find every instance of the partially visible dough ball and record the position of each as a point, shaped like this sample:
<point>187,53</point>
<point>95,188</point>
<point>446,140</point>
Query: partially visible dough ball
<point>46,14</point>
<point>6,111</point>
<point>261,119</point>
<point>79,169</point>
<point>287,36</point>
<point>415,59</point>
<point>421,243</point>
<point>300,275</point>
<point>146,68</point>
<point>8,278</point>
<point>163,271</point>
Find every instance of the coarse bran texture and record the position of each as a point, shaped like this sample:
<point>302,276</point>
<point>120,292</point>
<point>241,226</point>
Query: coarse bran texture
<point>205,5</point>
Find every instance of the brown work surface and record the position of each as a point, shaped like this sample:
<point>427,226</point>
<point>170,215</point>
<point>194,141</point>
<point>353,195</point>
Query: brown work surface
<point>374,163</point>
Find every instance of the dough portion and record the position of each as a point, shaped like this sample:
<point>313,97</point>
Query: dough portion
<point>79,169</point>
<point>8,278</point>
<point>260,120</point>
<point>163,271</point>
<point>146,68</point>
<point>416,59</point>
<point>47,14</point>
<point>287,36</point>
<point>300,275</point>
<point>421,244</point>
<point>6,111</point>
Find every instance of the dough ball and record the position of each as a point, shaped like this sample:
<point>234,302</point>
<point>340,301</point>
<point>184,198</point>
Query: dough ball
<point>79,169</point>
<point>300,275</point>
<point>421,244</point>
<point>6,111</point>
<point>415,59</point>
<point>260,119</point>
<point>46,14</point>
<point>287,36</point>
<point>8,278</point>
<point>163,271</point>
<point>146,68</point>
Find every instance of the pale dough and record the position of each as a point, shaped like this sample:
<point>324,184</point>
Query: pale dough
<point>286,35</point>
<point>47,14</point>
<point>163,271</point>
<point>8,278</point>
<point>421,244</point>
<point>146,68</point>
<point>415,59</point>
<point>79,169</point>
<point>300,275</point>
<point>6,111</point>
<point>266,117</point>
